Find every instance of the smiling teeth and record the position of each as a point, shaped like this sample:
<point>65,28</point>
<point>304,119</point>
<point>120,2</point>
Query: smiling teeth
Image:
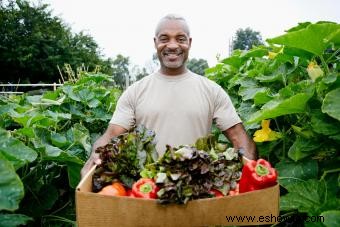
<point>172,54</point>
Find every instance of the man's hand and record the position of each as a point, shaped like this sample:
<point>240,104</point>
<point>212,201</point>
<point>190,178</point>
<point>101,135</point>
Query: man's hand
<point>93,160</point>
<point>111,131</point>
<point>237,135</point>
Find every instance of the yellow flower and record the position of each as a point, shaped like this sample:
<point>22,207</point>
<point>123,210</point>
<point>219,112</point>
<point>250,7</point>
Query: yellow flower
<point>314,70</point>
<point>266,134</point>
<point>272,55</point>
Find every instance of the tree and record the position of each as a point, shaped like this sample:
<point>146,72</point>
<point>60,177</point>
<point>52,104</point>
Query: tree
<point>245,39</point>
<point>153,64</point>
<point>121,70</point>
<point>197,65</point>
<point>140,73</point>
<point>33,43</point>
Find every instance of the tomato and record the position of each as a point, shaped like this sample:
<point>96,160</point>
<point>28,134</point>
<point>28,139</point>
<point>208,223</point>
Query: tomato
<point>114,189</point>
<point>216,193</point>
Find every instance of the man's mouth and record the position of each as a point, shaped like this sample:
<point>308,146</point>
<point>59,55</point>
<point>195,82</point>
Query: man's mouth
<point>172,55</point>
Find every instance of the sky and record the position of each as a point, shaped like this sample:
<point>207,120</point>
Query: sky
<point>127,26</point>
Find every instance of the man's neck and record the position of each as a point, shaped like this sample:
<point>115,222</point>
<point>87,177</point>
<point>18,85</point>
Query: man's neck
<point>173,72</point>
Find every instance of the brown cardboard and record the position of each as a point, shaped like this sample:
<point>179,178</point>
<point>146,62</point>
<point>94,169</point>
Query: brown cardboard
<point>100,210</point>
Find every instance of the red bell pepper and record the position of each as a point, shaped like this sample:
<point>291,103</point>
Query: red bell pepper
<point>145,188</point>
<point>257,175</point>
<point>129,193</point>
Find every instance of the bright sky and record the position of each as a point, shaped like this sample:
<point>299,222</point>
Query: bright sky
<point>127,26</point>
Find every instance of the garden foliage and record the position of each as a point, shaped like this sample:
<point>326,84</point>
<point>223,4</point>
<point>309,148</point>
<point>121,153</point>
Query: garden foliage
<point>44,141</point>
<point>288,95</point>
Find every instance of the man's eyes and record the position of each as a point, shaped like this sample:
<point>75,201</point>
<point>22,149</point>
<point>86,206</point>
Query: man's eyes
<point>180,39</point>
<point>163,39</point>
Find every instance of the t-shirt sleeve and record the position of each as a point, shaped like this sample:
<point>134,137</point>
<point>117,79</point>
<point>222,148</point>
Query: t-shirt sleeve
<point>124,114</point>
<point>225,115</point>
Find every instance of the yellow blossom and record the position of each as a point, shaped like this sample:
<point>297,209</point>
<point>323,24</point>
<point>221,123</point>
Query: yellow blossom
<point>314,70</point>
<point>272,55</point>
<point>266,134</point>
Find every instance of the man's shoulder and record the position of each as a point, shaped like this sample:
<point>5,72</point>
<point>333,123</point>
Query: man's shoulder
<point>142,82</point>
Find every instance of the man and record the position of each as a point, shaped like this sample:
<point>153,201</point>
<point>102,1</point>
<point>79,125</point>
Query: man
<point>178,105</point>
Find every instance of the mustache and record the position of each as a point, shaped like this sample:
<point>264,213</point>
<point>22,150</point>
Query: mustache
<point>172,51</point>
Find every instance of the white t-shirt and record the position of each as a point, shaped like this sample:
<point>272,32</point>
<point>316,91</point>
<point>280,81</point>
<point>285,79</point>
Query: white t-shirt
<point>179,109</point>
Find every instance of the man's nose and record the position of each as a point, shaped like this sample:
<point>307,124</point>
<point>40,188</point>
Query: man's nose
<point>172,44</point>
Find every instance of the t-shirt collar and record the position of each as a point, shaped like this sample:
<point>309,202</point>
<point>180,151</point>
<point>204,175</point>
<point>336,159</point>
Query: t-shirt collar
<point>179,77</point>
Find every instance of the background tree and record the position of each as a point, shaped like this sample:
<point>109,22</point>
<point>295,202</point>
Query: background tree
<point>120,70</point>
<point>246,38</point>
<point>197,65</point>
<point>141,73</point>
<point>33,43</point>
<point>153,64</point>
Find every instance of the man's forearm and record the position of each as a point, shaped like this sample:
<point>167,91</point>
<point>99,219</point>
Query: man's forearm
<point>101,141</point>
<point>112,130</point>
<point>239,138</point>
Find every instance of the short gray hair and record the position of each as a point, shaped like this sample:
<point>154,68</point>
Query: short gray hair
<point>173,17</point>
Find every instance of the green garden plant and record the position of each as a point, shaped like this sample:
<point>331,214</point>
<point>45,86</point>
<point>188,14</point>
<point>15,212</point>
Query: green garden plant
<point>292,87</point>
<point>45,140</point>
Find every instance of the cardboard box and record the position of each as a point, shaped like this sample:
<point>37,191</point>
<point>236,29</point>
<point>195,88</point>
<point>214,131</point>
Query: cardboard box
<point>100,210</point>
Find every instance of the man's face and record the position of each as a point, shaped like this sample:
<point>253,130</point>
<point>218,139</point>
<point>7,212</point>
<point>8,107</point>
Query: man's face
<point>172,44</point>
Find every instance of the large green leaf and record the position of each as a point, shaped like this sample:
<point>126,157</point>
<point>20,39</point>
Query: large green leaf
<point>323,124</point>
<point>334,38</point>
<point>255,52</point>
<point>262,97</point>
<point>11,187</point>
<point>48,195</point>
<point>246,109</point>
<point>80,135</point>
<point>312,38</point>
<point>15,151</point>
<point>306,196</point>
<point>292,172</point>
<point>56,154</point>
<point>279,107</point>
<point>331,104</point>
<point>59,140</point>
<point>13,220</point>
<point>299,26</point>
<point>234,61</point>
<point>38,100</point>
<point>73,171</point>
<point>303,147</point>
<point>250,92</point>
<point>56,116</point>
<point>331,218</point>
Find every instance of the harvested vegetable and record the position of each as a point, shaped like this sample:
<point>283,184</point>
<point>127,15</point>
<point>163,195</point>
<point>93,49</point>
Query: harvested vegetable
<point>257,175</point>
<point>186,173</point>
<point>124,158</point>
<point>145,188</point>
<point>216,193</point>
<point>114,189</point>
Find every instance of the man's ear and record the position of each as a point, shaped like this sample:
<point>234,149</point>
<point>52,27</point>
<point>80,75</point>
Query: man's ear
<point>154,41</point>
<point>190,40</point>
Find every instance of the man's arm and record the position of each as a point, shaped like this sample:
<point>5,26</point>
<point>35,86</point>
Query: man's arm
<point>111,131</point>
<point>237,135</point>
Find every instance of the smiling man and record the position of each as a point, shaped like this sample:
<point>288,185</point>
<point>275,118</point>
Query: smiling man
<point>172,42</point>
<point>179,105</point>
